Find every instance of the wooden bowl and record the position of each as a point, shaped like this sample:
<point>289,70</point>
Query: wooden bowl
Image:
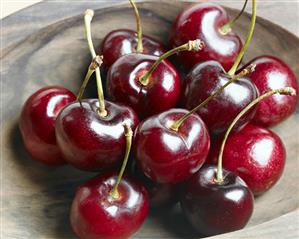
<point>36,199</point>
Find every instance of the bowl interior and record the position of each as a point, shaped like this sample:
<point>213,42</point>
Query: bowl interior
<point>35,198</point>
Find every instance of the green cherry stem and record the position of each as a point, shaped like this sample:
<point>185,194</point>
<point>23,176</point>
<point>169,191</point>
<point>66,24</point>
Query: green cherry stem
<point>283,91</point>
<point>87,20</point>
<point>175,126</point>
<point>233,70</point>
<point>84,84</point>
<point>128,134</point>
<point>96,62</point>
<point>228,26</point>
<point>139,27</point>
<point>195,45</point>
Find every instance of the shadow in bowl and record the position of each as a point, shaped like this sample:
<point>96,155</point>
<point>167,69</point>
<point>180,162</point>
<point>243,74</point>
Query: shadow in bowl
<point>52,187</point>
<point>174,221</point>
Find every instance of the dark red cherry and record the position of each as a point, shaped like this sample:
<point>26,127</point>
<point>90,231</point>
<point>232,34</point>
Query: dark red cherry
<point>206,78</point>
<point>160,194</point>
<point>214,208</point>
<point>272,73</point>
<point>37,123</point>
<point>122,42</point>
<point>203,21</point>
<point>254,153</point>
<point>95,214</point>
<point>169,156</point>
<point>159,94</point>
<point>89,141</point>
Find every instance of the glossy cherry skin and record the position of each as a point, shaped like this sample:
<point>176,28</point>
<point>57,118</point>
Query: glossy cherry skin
<point>160,194</point>
<point>203,80</point>
<point>203,21</point>
<point>122,42</point>
<point>272,73</point>
<point>169,156</point>
<point>214,208</point>
<point>96,215</point>
<point>37,123</point>
<point>90,142</point>
<point>254,153</point>
<point>160,94</point>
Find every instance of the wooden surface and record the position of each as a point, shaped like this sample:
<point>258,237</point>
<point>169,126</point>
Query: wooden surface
<point>269,9</point>
<point>35,199</point>
<point>9,7</point>
<point>34,18</point>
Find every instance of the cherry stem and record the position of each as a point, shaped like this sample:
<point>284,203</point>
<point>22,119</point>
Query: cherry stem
<point>175,126</point>
<point>228,26</point>
<point>233,70</point>
<point>283,91</point>
<point>139,27</point>
<point>129,135</point>
<point>84,84</point>
<point>195,45</point>
<point>87,20</point>
<point>96,62</point>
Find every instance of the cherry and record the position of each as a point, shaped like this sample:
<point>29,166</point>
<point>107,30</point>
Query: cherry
<point>123,41</point>
<point>89,141</point>
<point>254,153</point>
<point>167,152</point>
<point>95,214</point>
<point>260,161</point>
<point>37,123</point>
<point>90,132</point>
<point>209,22</point>
<point>210,76</point>
<point>123,84</point>
<point>148,84</point>
<point>206,78</point>
<point>272,73</point>
<point>110,206</point>
<point>160,194</point>
<point>214,208</point>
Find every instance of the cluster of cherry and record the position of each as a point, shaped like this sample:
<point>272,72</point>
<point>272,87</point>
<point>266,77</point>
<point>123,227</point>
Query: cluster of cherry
<point>171,146</point>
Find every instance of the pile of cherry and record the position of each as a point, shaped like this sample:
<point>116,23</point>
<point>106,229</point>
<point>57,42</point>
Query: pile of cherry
<point>170,122</point>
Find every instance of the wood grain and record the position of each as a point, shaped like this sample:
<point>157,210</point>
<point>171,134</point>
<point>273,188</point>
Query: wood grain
<point>36,199</point>
<point>19,26</point>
